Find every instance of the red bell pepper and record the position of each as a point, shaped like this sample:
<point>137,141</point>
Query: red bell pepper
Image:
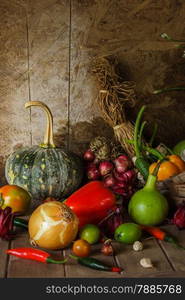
<point>92,202</point>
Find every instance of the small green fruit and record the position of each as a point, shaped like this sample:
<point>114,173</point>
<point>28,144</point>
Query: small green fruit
<point>148,207</point>
<point>128,233</point>
<point>179,148</point>
<point>90,233</point>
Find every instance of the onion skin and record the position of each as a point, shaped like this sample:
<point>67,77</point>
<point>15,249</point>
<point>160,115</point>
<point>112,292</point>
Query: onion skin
<point>109,226</point>
<point>89,155</point>
<point>109,181</point>
<point>128,176</point>
<point>52,225</point>
<point>119,191</point>
<point>93,174</point>
<point>122,163</point>
<point>107,248</point>
<point>105,167</point>
<point>49,199</point>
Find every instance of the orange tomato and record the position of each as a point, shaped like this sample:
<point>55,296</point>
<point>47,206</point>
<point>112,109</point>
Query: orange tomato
<point>15,197</point>
<point>81,248</point>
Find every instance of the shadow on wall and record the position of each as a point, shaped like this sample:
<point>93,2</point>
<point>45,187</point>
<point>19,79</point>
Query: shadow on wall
<point>82,133</point>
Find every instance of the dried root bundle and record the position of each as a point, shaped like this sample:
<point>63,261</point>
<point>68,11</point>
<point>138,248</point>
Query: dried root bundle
<point>114,95</point>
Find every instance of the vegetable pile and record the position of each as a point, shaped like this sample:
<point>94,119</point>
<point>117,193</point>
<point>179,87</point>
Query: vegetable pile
<point>94,213</point>
<point>116,172</point>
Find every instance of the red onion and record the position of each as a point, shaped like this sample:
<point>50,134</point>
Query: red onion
<point>107,248</point>
<point>93,174</point>
<point>105,167</point>
<point>118,190</point>
<point>109,181</point>
<point>128,176</point>
<point>109,225</point>
<point>89,155</point>
<point>122,163</point>
<point>90,165</point>
<point>179,217</point>
<point>6,223</point>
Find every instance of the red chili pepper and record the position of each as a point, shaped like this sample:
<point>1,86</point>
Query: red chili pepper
<point>161,235</point>
<point>92,202</point>
<point>34,254</point>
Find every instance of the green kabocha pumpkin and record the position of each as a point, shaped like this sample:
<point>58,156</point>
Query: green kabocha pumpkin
<point>45,170</point>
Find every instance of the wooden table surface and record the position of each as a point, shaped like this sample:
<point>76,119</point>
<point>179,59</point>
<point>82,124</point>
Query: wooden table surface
<point>168,260</point>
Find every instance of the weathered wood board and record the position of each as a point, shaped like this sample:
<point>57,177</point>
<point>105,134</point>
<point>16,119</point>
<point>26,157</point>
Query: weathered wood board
<point>14,121</point>
<point>46,51</point>
<point>21,268</point>
<point>175,255</point>
<point>48,44</point>
<point>168,261</point>
<point>73,269</point>
<point>129,259</point>
<point>3,258</point>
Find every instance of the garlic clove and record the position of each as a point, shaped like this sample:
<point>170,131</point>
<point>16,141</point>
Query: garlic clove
<point>137,246</point>
<point>146,263</point>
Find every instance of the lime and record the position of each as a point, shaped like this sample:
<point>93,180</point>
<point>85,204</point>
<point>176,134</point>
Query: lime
<point>127,233</point>
<point>90,233</point>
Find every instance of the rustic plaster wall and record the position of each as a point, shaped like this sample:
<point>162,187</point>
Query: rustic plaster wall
<point>46,47</point>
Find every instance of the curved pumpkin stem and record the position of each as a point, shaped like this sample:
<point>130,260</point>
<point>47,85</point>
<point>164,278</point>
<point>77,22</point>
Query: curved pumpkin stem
<point>48,138</point>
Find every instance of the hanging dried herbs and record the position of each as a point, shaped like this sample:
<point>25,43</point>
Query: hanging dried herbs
<point>113,98</point>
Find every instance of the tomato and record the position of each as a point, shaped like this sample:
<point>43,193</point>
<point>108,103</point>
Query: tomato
<point>90,233</point>
<point>128,233</point>
<point>81,248</point>
<point>15,197</point>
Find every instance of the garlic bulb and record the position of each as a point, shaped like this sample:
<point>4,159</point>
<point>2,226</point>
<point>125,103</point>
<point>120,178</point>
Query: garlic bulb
<point>137,246</point>
<point>146,263</point>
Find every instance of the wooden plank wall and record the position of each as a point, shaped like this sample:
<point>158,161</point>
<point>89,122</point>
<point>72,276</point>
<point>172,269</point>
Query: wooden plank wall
<point>46,51</point>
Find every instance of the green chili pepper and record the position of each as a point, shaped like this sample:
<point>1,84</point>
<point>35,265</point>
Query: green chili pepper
<point>21,223</point>
<point>95,264</point>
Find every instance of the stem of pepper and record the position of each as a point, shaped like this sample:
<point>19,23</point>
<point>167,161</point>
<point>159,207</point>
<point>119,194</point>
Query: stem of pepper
<point>73,256</point>
<point>53,261</point>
